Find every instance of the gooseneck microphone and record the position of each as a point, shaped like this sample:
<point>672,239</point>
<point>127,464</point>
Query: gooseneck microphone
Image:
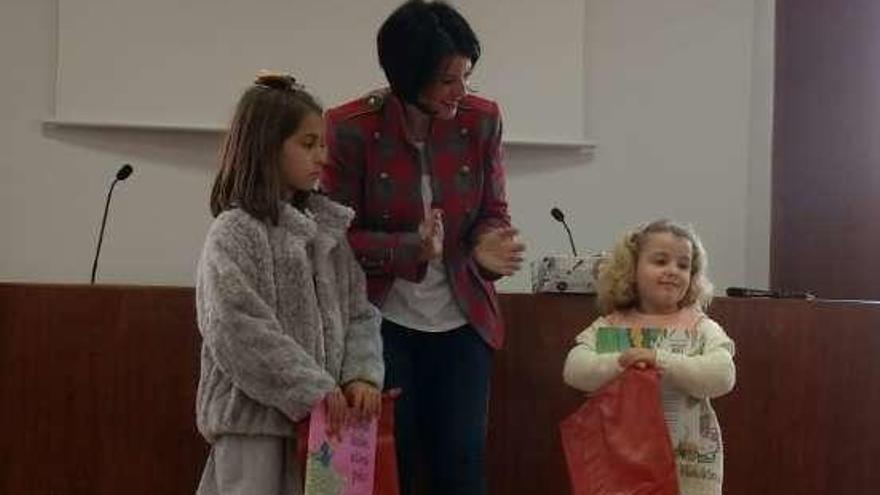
<point>557,215</point>
<point>123,173</point>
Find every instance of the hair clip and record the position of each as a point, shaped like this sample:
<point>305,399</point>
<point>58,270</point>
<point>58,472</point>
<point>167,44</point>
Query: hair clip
<point>278,80</point>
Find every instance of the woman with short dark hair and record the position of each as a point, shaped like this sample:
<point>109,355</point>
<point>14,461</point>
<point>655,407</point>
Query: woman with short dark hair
<point>420,163</point>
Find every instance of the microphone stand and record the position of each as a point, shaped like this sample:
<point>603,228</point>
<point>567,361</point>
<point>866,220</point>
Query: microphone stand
<point>122,174</point>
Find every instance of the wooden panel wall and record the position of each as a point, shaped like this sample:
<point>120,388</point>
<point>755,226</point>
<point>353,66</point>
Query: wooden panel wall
<point>98,386</point>
<point>800,420</point>
<point>826,163</point>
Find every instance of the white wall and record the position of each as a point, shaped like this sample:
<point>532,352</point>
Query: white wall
<point>677,97</point>
<point>53,182</point>
<point>759,193</point>
<point>160,79</point>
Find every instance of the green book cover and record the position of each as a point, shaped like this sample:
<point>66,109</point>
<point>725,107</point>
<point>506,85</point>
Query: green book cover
<point>619,339</point>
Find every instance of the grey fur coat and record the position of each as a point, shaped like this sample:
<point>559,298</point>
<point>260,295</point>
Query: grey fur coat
<point>284,319</point>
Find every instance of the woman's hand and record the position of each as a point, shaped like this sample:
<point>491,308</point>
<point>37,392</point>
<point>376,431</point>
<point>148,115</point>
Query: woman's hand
<point>431,234</point>
<point>364,398</point>
<point>640,358</point>
<point>499,251</point>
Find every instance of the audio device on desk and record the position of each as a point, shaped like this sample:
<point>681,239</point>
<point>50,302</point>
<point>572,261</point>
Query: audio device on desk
<point>773,294</point>
<point>563,273</point>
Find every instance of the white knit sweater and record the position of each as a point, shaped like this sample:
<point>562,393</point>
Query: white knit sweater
<point>695,356</point>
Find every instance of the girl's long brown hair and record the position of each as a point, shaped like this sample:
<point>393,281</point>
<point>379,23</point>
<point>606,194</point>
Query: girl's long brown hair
<point>269,112</point>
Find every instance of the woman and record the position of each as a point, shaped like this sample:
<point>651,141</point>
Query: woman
<point>420,163</point>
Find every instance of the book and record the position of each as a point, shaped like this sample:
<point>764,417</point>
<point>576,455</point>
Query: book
<point>343,464</point>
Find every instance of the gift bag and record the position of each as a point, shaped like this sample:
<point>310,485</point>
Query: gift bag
<point>618,442</point>
<point>385,481</point>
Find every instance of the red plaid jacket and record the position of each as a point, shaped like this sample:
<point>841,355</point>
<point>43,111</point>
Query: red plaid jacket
<point>375,170</point>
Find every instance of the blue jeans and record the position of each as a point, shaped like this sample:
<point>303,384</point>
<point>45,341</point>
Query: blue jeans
<point>441,418</point>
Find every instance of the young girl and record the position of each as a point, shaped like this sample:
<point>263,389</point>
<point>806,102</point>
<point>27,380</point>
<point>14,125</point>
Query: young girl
<point>652,294</point>
<point>281,300</point>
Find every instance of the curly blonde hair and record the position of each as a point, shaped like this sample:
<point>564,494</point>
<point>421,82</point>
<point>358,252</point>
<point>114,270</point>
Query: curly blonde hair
<point>616,280</point>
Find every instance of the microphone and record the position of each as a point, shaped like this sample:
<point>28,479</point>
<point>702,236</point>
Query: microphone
<point>774,294</point>
<point>123,173</point>
<point>745,292</point>
<point>557,215</point>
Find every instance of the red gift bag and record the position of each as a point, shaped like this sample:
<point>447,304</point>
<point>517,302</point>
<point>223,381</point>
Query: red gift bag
<point>618,442</point>
<point>385,481</point>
